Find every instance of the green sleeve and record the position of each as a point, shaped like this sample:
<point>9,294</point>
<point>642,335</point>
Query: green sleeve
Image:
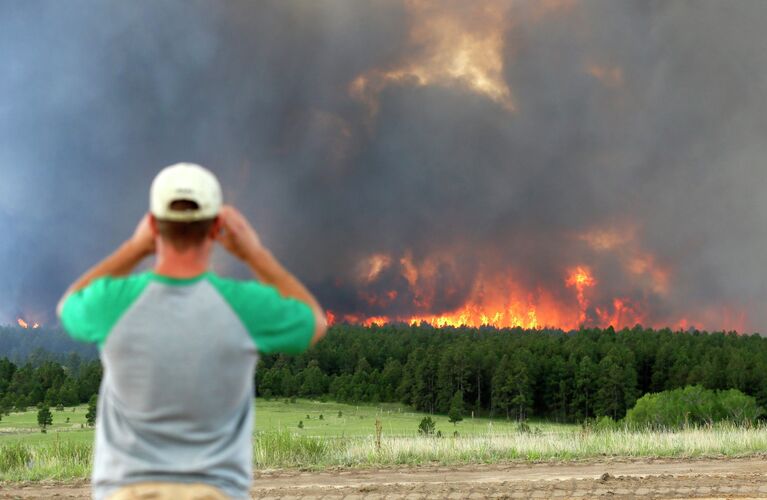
<point>89,314</point>
<point>275,323</point>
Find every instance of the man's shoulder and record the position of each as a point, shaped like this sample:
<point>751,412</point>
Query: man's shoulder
<point>114,285</point>
<point>228,286</point>
<point>131,279</point>
<point>90,313</point>
<point>275,322</point>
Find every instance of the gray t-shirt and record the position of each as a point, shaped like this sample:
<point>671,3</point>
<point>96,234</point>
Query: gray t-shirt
<point>176,398</point>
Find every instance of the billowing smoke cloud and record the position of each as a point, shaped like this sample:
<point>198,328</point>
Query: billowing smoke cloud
<point>405,158</point>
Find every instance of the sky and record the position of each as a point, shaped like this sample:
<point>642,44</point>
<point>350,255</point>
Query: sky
<point>564,162</point>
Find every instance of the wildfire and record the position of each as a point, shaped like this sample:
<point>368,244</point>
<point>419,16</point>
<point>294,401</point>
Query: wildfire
<point>461,46</point>
<point>620,287</point>
<point>24,324</point>
<point>580,278</point>
<point>372,266</point>
<point>623,243</point>
<point>451,47</point>
<point>492,300</point>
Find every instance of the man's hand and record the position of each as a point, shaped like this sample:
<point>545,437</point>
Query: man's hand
<point>121,262</point>
<point>236,234</point>
<point>143,238</point>
<point>239,237</point>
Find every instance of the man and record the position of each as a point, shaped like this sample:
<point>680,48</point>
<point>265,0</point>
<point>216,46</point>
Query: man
<point>179,345</point>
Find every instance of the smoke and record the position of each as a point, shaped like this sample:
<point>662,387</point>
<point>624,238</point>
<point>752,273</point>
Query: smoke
<point>623,136</point>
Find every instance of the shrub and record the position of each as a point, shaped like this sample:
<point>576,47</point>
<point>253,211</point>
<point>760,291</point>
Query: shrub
<point>523,428</point>
<point>426,427</point>
<point>605,424</point>
<point>693,406</point>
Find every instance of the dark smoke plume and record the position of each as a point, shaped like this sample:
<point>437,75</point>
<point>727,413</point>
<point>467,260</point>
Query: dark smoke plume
<point>635,114</point>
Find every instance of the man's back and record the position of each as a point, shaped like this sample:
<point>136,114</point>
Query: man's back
<point>179,345</point>
<point>179,355</point>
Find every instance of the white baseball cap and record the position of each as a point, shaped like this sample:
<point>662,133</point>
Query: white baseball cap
<point>185,181</point>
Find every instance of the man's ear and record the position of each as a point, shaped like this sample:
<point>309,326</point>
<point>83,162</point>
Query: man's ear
<point>215,229</point>
<point>153,226</point>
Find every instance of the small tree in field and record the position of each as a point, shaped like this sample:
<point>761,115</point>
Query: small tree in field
<point>455,414</point>
<point>44,418</point>
<point>426,427</point>
<point>90,416</point>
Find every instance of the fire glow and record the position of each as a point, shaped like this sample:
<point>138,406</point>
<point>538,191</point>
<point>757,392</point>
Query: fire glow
<point>388,283</point>
<point>25,325</point>
<point>498,302</point>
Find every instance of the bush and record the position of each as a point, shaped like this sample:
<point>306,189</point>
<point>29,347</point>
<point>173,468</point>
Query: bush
<point>605,424</point>
<point>693,406</point>
<point>523,428</point>
<point>426,427</point>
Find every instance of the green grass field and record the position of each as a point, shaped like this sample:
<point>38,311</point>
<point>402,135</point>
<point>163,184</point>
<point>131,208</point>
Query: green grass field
<point>345,437</point>
<point>355,421</point>
<point>319,419</point>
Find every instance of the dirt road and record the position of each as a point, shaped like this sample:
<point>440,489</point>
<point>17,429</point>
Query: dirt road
<point>709,478</point>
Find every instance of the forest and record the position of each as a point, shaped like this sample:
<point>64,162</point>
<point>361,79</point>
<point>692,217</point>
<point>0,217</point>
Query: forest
<point>519,374</point>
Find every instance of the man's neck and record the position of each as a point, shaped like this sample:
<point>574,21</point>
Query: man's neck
<point>175,264</point>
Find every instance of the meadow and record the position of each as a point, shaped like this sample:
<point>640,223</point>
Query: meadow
<point>318,419</point>
<point>342,435</point>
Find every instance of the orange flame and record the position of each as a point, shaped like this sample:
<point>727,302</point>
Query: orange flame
<point>373,266</point>
<point>460,45</point>
<point>451,47</point>
<point>493,296</point>
<point>580,278</point>
<point>22,323</point>
<point>492,300</point>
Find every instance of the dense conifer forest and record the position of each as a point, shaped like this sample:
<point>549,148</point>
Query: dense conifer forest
<point>516,373</point>
<point>505,373</point>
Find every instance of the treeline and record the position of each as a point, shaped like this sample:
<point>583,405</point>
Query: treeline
<point>513,373</point>
<point>55,381</point>
<point>516,373</point>
<point>19,344</point>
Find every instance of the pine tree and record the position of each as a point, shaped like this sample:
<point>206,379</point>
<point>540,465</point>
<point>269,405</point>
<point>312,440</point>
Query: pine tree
<point>521,388</point>
<point>455,414</point>
<point>609,397</point>
<point>583,395</point>
<point>500,394</point>
<point>426,427</point>
<point>44,418</point>
<point>90,416</point>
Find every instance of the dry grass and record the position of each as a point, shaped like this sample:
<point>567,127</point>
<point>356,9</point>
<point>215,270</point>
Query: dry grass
<point>64,460</point>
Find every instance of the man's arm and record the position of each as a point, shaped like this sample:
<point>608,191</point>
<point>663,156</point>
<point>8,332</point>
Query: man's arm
<point>239,238</point>
<point>120,263</point>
